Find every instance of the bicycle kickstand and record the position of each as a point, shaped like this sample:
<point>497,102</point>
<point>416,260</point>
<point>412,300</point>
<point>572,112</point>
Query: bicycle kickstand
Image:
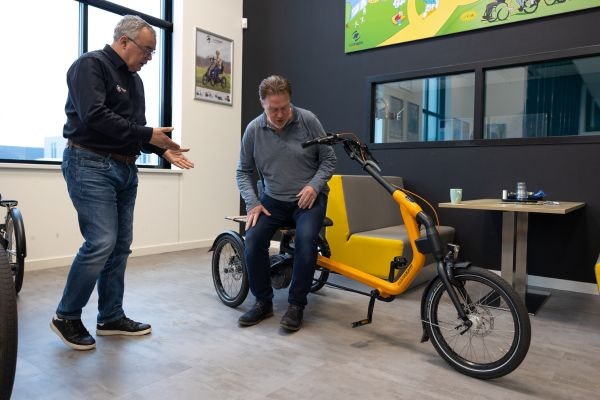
<point>374,296</point>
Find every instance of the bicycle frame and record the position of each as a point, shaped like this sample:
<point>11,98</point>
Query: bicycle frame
<point>412,214</point>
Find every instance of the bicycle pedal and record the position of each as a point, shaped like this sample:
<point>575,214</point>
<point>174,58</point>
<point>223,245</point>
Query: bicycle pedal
<point>361,323</point>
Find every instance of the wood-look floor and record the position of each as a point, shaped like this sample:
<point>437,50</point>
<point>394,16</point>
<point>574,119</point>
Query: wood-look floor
<point>197,350</point>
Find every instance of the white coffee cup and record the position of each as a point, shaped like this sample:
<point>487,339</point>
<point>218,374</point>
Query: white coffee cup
<point>455,195</point>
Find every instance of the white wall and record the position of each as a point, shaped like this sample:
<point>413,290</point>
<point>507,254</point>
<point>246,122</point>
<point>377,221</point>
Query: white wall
<point>174,210</point>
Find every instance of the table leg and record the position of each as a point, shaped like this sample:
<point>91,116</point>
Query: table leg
<point>507,262</point>
<point>514,259</point>
<point>520,280</point>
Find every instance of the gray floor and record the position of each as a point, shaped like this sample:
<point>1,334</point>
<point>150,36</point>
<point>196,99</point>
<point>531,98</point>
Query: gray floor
<point>197,351</point>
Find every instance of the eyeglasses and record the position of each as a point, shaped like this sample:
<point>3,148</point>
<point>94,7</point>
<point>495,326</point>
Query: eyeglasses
<point>276,110</point>
<point>148,52</point>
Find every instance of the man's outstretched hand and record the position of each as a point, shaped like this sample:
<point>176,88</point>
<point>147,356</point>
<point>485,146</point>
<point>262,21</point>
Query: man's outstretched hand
<point>177,158</point>
<point>160,139</point>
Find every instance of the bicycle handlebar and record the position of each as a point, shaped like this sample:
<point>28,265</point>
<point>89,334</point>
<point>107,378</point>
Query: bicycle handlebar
<point>355,149</point>
<point>359,152</point>
<point>329,140</point>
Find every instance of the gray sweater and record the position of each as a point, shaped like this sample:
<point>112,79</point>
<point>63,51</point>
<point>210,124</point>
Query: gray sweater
<point>285,166</point>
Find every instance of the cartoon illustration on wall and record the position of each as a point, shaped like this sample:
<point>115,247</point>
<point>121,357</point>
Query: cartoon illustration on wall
<point>375,23</point>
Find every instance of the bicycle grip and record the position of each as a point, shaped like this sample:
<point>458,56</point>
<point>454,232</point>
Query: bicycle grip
<point>309,143</point>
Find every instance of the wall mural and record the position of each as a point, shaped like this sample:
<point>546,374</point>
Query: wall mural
<point>375,23</point>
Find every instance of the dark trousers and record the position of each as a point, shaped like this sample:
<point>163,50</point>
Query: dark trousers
<point>308,223</point>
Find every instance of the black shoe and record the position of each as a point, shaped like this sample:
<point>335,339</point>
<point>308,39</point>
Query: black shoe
<point>123,326</point>
<point>258,312</point>
<point>73,333</point>
<point>292,319</point>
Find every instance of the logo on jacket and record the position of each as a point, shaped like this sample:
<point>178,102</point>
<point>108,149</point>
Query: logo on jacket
<point>121,90</point>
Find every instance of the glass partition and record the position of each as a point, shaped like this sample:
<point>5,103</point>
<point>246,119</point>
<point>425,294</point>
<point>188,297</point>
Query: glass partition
<point>557,98</point>
<point>438,108</point>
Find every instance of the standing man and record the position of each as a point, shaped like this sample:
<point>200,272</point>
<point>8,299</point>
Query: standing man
<point>106,131</point>
<point>295,192</point>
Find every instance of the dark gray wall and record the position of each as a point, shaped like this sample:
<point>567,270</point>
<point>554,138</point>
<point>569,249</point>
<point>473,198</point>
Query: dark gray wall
<point>304,41</point>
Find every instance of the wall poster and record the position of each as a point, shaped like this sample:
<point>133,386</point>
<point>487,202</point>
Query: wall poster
<point>213,67</point>
<point>375,23</point>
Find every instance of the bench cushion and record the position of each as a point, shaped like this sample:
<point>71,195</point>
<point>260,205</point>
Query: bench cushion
<point>368,231</point>
<point>399,232</point>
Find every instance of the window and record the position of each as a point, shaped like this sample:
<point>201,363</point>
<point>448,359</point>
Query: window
<point>33,76</point>
<point>438,108</point>
<point>36,79</point>
<point>553,99</point>
<point>556,98</point>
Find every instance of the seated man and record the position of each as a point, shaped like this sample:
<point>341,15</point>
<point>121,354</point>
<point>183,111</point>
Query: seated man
<point>489,8</point>
<point>216,65</point>
<point>294,193</point>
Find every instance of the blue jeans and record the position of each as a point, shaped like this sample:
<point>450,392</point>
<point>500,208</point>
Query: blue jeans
<point>308,223</point>
<point>103,192</point>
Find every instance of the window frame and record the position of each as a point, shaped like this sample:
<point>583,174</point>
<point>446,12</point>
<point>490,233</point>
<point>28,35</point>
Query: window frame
<point>479,68</point>
<point>165,117</point>
<point>165,109</point>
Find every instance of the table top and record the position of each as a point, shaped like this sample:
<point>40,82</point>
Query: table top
<point>559,207</point>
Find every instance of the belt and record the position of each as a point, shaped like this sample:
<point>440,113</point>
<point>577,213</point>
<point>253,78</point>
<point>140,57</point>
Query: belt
<point>115,156</point>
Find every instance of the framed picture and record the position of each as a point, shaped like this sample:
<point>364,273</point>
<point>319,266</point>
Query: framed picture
<point>214,68</point>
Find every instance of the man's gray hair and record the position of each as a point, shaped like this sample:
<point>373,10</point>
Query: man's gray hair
<point>274,84</point>
<point>130,26</point>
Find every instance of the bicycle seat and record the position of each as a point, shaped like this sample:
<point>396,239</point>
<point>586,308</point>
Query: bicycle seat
<point>8,203</point>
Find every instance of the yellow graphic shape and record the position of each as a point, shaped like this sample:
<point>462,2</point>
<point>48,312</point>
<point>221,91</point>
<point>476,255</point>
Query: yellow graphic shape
<point>468,16</point>
<point>419,28</point>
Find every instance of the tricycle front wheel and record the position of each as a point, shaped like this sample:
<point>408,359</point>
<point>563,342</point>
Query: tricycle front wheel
<point>497,337</point>
<point>229,269</point>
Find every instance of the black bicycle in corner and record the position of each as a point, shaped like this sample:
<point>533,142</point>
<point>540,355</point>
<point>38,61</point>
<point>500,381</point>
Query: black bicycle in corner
<point>8,328</point>
<point>12,240</point>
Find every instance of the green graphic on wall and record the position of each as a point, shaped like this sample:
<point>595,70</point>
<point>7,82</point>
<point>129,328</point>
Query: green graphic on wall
<point>374,23</point>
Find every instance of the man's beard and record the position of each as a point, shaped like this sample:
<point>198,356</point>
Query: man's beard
<point>278,126</point>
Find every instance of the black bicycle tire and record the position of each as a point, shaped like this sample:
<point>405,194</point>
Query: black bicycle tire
<point>325,251</point>
<point>520,341</point>
<point>223,82</point>
<point>237,244</point>
<point>9,334</point>
<point>18,269</point>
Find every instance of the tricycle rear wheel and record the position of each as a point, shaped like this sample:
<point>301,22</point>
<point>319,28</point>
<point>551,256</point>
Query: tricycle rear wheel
<point>229,269</point>
<point>321,274</point>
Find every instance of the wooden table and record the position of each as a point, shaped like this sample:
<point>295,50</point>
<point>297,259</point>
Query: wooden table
<point>515,220</point>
